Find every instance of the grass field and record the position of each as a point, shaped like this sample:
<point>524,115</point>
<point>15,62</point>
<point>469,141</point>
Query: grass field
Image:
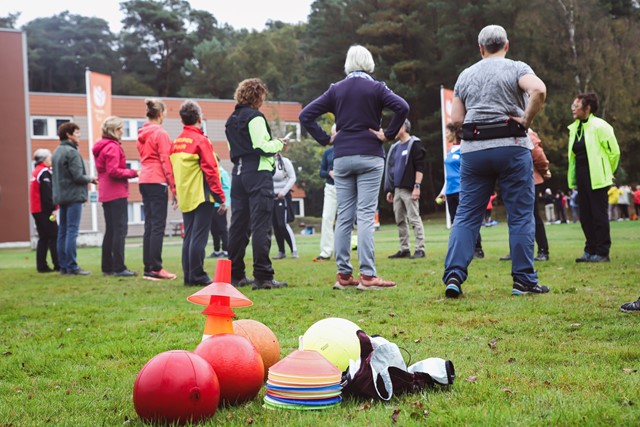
<point>71,347</point>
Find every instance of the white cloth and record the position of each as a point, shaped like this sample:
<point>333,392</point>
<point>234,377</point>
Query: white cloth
<point>329,210</point>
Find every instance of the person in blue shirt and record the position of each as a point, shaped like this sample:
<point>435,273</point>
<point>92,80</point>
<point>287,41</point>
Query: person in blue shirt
<point>219,227</point>
<point>450,192</point>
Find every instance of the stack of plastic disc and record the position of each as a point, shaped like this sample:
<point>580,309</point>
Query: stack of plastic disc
<point>303,380</point>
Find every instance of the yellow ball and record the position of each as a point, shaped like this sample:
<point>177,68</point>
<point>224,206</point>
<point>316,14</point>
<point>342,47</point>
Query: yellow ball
<point>335,339</point>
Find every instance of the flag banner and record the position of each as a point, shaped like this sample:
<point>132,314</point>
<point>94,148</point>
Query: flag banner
<point>98,103</point>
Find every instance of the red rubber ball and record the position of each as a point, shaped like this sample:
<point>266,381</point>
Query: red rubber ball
<point>237,364</point>
<point>176,387</point>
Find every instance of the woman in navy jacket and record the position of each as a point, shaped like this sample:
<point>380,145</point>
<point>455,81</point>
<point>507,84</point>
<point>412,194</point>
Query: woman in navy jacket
<point>357,103</point>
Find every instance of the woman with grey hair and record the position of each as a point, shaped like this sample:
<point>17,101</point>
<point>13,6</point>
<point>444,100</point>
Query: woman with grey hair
<point>357,103</point>
<point>42,210</point>
<point>113,191</point>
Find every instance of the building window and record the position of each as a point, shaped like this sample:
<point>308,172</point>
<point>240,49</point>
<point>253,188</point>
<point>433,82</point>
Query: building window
<point>46,127</point>
<point>133,164</point>
<point>135,212</point>
<point>298,207</point>
<point>293,130</point>
<point>131,128</point>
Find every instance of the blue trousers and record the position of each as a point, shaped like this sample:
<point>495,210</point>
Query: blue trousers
<point>512,169</point>
<point>196,233</point>
<point>68,235</point>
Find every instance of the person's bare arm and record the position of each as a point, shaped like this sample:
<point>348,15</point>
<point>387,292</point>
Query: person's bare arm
<point>537,91</point>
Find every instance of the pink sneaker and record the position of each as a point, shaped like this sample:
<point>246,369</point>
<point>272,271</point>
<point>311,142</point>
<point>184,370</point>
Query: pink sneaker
<point>161,274</point>
<point>345,281</point>
<point>374,283</point>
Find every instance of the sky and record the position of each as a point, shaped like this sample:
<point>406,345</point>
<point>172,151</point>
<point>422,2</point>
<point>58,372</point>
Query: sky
<point>250,14</point>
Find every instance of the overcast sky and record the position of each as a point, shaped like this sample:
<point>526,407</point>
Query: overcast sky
<point>250,14</point>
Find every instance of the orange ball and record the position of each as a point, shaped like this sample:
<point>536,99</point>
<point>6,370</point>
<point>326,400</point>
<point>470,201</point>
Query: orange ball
<point>237,364</point>
<point>262,338</point>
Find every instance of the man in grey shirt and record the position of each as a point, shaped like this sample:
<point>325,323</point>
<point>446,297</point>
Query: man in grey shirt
<point>495,101</point>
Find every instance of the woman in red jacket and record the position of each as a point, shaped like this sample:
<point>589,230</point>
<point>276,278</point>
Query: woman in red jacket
<point>113,191</point>
<point>42,208</point>
<point>156,183</point>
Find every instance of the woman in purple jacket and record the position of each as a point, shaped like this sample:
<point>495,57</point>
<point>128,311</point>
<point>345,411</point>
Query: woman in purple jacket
<point>357,103</point>
<point>113,191</point>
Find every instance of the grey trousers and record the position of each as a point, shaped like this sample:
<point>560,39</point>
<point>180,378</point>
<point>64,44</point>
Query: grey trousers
<point>407,211</point>
<point>357,180</point>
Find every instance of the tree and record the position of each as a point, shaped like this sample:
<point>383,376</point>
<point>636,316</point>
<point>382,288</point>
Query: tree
<point>61,47</point>
<point>9,21</point>
<point>158,37</point>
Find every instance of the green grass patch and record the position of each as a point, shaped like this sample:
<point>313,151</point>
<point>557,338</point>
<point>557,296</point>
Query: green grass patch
<point>71,347</point>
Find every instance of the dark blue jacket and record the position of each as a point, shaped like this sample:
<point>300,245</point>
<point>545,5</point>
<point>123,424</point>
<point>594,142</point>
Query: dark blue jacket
<point>357,103</point>
<point>327,165</point>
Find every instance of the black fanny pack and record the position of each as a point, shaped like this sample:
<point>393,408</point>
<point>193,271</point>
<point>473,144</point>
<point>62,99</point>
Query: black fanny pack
<point>502,129</point>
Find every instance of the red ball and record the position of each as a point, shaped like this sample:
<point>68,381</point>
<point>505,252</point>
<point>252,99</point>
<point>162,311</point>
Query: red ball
<point>176,387</point>
<point>237,364</point>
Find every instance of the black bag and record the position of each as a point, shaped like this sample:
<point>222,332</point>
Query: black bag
<point>381,372</point>
<point>501,129</point>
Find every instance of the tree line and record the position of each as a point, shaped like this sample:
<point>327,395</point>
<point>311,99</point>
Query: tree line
<point>166,48</point>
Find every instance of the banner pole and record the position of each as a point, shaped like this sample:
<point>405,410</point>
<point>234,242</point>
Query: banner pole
<point>92,166</point>
<point>444,147</point>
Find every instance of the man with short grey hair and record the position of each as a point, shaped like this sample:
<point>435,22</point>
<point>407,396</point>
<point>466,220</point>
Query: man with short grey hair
<point>402,182</point>
<point>495,101</point>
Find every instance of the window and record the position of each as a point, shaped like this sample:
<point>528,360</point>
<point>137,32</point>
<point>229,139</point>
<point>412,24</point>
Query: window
<point>131,127</point>
<point>298,207</point>
<point>133,164</point>
<point>135,212</point>
<point>294,129</point>
<point>46,127</point>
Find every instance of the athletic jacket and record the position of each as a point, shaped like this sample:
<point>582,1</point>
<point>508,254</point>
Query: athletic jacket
<point>40,191</point>
<point>69,176</point>
<point>113,174</point>
<point>154,146</point>
<point>603,152</point>
<point>250,139</point>
<point>413,162</point>
<point>195,170</point>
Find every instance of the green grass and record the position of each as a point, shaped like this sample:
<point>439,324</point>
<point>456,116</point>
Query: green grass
<point>71,347</point>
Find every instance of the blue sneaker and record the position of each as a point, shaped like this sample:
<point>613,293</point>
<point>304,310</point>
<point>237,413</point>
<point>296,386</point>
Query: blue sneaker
<point>454,288</point>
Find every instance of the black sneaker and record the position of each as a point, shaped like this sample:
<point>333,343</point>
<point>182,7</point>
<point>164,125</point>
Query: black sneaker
<point>599,258</point>
<point>401,254</point>
<point>521,289</point>
<point>631,307</point>
<point>542,256</point>
<point>125,273</point>
<point>78,272</point>
<point>242,282</point>
<point>417,254</point>
<point>454,288</point>
<point>268,284</point>
<point>506,258</point>
<point>584,258</point>
<point>478,253</point>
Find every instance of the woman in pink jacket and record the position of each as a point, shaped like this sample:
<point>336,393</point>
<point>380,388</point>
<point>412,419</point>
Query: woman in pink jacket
<point>113,191</point>
<point>156,183</point>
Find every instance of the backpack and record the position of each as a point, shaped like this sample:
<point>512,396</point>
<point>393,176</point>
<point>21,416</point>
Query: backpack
<point>381,371</point>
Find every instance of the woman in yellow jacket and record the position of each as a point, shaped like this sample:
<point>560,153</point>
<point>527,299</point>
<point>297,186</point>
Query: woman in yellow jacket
<point>593,158</point>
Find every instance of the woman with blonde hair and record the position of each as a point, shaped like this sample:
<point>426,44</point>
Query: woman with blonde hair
<point>113,191</point>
